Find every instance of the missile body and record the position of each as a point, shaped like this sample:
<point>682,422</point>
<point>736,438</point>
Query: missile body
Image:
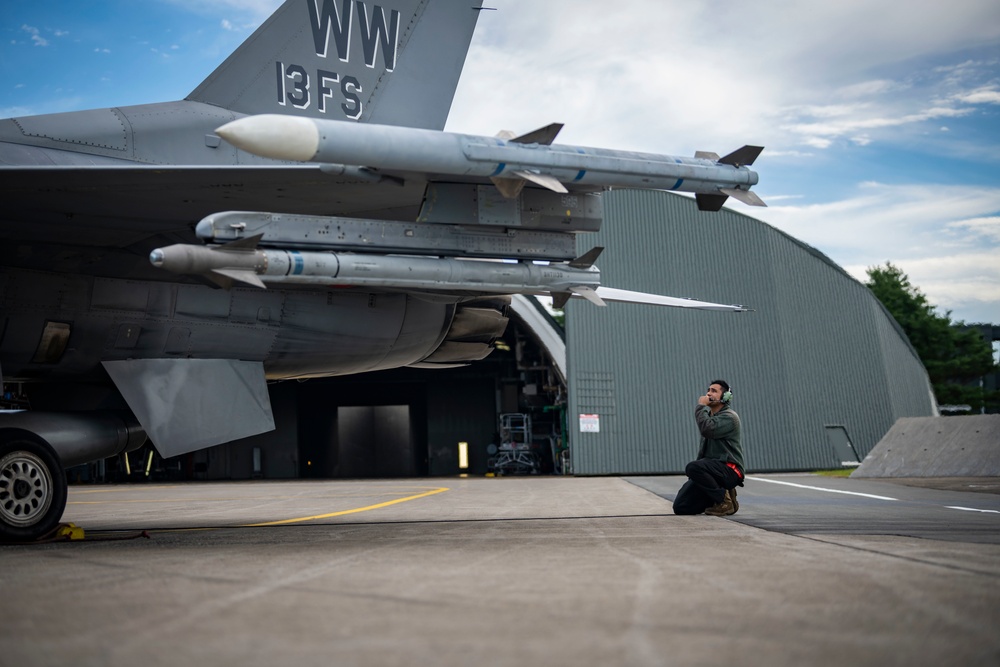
<point>432,152</point>
<point>578,278</point>
<point>260,266</point>
<point>313,232</point>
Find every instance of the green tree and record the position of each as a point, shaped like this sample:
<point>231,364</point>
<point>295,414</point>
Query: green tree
<point>955,358</point>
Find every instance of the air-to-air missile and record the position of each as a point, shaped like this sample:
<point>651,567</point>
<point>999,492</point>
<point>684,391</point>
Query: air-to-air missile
<point>510,161</point>
<point>242,261</point>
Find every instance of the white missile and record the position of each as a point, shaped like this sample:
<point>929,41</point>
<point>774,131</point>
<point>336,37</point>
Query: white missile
<point>242,261</point>
<point>237,261</point>
<point>528,158</point>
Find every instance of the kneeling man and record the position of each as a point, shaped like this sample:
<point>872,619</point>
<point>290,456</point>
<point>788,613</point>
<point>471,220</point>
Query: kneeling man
<point>713,478</point>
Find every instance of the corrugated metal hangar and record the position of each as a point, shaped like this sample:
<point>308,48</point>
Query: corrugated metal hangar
<point>819,369</point>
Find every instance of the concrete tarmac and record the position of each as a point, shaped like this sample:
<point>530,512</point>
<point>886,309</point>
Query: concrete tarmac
<point>510,571</point>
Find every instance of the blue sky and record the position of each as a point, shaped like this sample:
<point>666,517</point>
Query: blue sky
<point>881,127</point>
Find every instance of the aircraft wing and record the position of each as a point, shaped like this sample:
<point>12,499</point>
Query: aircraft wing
<point>121,213</point>
<point>111,205</point>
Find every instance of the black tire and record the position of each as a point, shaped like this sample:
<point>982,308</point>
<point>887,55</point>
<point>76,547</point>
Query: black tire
<point>32,490</point>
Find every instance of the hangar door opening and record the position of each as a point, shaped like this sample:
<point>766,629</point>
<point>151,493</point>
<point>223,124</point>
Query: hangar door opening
<point>360,427</point>
<point>375,441</point>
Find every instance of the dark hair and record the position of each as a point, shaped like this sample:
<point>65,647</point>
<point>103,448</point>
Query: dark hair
<point>721,383</point>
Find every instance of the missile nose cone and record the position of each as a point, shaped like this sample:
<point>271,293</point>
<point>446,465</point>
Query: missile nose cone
<point>156,258</point>
<point>273,136</point>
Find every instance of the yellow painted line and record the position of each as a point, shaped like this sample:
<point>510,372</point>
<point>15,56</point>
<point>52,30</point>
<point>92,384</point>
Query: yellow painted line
<point>226,499</point>
<point>352,511</point>
<point>120,489</point>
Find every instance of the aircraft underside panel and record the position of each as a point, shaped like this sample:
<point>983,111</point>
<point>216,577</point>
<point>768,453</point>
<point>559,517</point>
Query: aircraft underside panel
<point>192,362</point>
<point>59,326</point>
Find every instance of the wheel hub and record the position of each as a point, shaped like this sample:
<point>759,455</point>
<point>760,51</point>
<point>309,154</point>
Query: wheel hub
<point>25,489</point>
<point>21,489</point>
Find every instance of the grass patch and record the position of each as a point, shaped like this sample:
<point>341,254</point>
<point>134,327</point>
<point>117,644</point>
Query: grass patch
<point>839,472</point>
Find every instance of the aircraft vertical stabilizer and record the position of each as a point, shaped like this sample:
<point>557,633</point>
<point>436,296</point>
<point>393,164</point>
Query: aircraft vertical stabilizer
<point>392,63</point>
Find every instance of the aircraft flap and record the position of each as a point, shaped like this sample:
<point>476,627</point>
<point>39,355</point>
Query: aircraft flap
<point>189,404</point>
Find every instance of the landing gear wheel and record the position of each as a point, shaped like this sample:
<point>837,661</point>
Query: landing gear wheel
<point>32,490</point>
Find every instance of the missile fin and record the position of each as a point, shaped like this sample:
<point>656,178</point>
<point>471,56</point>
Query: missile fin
<point>544,180</point>
<point>589,294</point>
<point>745,196</point>
<point>248,243</point>
<point>219,281</point>
<point>508,187</point>
<point>708,202</point>
<point>248,277</point>
<point>543,135</point>
<point>742,156</point>
<point>559,299</point>
<point>587,259</point>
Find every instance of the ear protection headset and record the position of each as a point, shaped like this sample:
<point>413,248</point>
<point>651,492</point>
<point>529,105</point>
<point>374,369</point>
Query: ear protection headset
<point>727,395</point>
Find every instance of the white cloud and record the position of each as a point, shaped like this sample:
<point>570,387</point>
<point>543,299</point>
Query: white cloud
<point>966,284</point>
<point>36,36</point>
<point>617,82</point>
<point>246,26</point>
<point>816,142</point>
<point>882,217</point>
<point>821,134</point>
<point>983,95</point>
<point>988,227</point>
<point>946,238</point>
<point>869,88</point>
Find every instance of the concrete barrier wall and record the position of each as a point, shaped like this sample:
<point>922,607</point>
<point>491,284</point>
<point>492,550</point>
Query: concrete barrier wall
<point>966,446</point>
